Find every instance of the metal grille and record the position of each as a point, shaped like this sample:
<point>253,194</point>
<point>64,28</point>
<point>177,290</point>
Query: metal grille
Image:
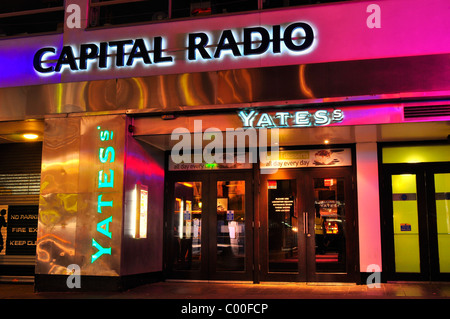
<point>20,173</point>
<point>426,111</point>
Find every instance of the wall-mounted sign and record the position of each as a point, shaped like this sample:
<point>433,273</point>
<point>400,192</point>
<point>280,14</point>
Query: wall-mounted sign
<point>187,215</point>
<point>140,211</point>
<point>328,208</point>
<point>281,119</point>
<point>296,37</point>
<point>230,214</point>
<point>283,204</point>
<point>405,227</point>
<point>272,185</point>
<point>143,212</point>
<point>227,164</point>
<point>310,158</point>
<point>21,230</point>
<point>106,155</point>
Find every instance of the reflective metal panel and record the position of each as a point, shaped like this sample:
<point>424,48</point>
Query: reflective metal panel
<point>167,92</point>
<point>347,81</point>
<point>81,204</point>
<point>58,205</point>
<point>60,156</point>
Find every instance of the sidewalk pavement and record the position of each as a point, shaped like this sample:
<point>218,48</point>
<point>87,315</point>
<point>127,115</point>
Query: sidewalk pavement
<point>233,290</point>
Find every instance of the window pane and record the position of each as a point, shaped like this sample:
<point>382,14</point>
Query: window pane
<point>197,8</point>
<point>269,4</point>
<point>416,154</point>
<point>187,221</point>
<point>132,12</point>
<point>32,23</point>
<point>227,6</point>
<point>24,5</point>
<point>231,225</point>
<point>442,187</point>
<point>406,225</point>
<point>283,226</point>
<point>329,224</point>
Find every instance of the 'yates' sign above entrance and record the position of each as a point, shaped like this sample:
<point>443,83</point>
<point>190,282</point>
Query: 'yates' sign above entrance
<point>283,119</point>
<point>296,38</point>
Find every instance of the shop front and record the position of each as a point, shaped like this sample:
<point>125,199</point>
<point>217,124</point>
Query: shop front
<point>304,228</point>
<point>415,212</point>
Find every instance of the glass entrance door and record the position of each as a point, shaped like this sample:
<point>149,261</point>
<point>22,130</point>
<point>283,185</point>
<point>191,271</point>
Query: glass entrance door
<point>310,226</point>
<point>210,218</point>
<point>416,220</point>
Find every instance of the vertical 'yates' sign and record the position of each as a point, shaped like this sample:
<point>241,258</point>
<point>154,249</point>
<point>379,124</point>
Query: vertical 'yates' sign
<point>100,193</point>
<point>105,206</point>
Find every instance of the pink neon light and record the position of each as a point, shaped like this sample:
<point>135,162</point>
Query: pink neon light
<point>408,28</point>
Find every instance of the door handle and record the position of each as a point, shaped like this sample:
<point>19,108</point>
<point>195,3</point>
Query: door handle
<point>305,224</point>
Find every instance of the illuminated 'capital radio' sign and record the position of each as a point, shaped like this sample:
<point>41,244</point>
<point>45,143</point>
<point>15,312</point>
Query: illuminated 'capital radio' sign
<point>297,37</point>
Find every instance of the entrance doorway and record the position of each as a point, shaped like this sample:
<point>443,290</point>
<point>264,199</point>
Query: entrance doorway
<point>209,225</point>
<point>416,220</point>
<point>308,225</point>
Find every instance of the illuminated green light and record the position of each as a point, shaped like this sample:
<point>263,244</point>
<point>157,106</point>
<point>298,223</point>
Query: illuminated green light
<point>211,165</point>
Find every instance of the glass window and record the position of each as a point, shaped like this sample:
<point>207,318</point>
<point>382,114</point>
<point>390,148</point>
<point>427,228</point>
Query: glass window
<point>187,225</point>
<point>198,8</point>
<point>270,4</point>
<point>25,5</point>
<point>23,17</point>
<point>231,225</point>
<point>113,12</point>
<point>416,154</point>
<point>329,224</point>
<point>442,197</point>
<point>406,223</point>
<point>102,13</point>
<point>283,226</point>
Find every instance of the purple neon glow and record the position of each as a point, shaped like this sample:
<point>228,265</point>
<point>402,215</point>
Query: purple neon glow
<point>16,60</point>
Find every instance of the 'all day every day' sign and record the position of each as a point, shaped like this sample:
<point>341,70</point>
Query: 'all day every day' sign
<point>310,158</point>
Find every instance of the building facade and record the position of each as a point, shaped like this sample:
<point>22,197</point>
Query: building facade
<point>258,141</point>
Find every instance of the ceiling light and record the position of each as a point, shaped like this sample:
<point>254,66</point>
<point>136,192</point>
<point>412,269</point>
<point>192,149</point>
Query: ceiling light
<point>30,136</point>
